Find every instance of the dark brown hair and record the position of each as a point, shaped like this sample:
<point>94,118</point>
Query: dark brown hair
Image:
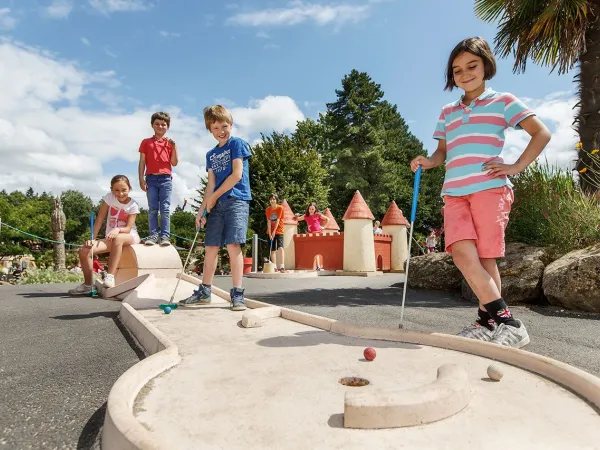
<point>274,196</point>
<point>476,46</point>
<point>118,178</point>
<point>307,213</point>
<point>161,116</point>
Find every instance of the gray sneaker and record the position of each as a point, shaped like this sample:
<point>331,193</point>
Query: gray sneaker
<point>237,299</point>
<point>165,242</point>
<point>152,240</point>
<point>478,332</point>
<point>202,296</point>
<point>82,289</point>
<point>510,336</point>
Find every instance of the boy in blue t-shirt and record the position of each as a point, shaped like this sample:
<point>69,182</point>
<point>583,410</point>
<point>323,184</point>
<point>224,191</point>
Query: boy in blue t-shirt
<point>227,199</point>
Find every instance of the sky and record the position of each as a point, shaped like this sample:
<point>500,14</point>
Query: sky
<point>79,80</point>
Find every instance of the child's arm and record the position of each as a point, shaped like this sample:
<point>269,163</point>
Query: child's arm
<point>438,158</point>
<point>141,170</point>
<point>208,192</point>
<point>300,217</point>
<point>174,155</point>
<point>326,220</point>
<point>540,136</point>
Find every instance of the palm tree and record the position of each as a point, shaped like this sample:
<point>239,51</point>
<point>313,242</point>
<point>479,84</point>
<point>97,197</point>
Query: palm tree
<point>559,34</point>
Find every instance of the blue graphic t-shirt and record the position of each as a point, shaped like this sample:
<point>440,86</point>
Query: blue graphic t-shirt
<point>219,159</point>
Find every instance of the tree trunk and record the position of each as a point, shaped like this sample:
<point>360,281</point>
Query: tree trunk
<point>588,117</point>
<point>59,222</point>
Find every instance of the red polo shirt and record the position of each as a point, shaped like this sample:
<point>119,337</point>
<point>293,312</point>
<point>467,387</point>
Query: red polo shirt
<point>158,155</point>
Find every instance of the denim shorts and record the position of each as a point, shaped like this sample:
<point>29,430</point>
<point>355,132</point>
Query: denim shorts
<point>227,223</point>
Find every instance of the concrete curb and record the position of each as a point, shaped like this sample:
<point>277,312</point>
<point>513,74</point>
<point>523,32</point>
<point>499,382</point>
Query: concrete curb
<point>122,431</point>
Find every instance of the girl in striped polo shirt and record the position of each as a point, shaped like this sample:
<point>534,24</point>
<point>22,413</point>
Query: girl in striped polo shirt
<point>477,192</point>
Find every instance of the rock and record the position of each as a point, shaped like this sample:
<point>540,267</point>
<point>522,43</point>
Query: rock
<point>521,272</point>
<point>434,271</point>
<point>573,281</point>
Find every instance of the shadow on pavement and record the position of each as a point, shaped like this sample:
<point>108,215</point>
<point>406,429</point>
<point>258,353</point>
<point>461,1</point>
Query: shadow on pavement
<point>92,315</point>
<point>89,439</point>
<point>312,338</point>
<point>364,297</point>
<point>554,311</point>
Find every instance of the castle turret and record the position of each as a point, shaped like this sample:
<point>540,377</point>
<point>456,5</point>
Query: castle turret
<point>359,245</point>
<point>332,224</point>
<point>290,228</point>
<point>394,223</point>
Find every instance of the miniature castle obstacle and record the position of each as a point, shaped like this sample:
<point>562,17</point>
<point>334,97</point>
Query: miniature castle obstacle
<point>355,251</point>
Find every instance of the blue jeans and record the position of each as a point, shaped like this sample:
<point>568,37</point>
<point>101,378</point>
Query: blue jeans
<point>227,223</point>
<point>159,199</point>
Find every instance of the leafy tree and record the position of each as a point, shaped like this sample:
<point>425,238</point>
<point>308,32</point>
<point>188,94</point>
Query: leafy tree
<point>559,34</point>
<point>281,165</point>
<point>369,148</point>
<point>77,208</point>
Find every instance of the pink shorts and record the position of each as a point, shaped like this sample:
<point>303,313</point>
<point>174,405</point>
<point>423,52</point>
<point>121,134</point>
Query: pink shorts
<point>482,217</point>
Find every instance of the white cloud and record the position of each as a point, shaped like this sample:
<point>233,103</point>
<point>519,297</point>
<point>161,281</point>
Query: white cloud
<point>108,52</point>
<point>299,12</point>
<point>272,46</point>
<point>263,35</point>
<point>556,111</point>
<point>58,9</point>
<point>7,22</point>
<point>168,34</point>
<point>51,142</point>
<point>85,41</point>
<point>108,6</point>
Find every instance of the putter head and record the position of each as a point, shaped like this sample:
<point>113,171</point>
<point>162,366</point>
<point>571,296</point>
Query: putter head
<point>93,293</point>
<point>170,305</point>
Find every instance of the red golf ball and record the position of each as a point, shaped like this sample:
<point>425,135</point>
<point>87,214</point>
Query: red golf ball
<point>370,353</point>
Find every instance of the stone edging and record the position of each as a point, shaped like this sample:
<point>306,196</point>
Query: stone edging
<point>122,431</point>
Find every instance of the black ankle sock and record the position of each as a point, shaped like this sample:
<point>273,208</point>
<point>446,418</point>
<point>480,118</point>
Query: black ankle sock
<point>206,285</point>
<point>485,320</point>
<point>500,313</point>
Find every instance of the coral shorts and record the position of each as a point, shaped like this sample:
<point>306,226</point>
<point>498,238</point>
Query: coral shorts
<point>482,217</point>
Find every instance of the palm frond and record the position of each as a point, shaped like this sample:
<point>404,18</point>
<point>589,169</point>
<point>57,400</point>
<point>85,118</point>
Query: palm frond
<point>549,32</point>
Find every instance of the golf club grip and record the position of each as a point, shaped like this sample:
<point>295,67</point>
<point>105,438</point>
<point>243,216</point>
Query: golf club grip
<point>203,216</point>
<point>413,212</point>
<point>92,225</point>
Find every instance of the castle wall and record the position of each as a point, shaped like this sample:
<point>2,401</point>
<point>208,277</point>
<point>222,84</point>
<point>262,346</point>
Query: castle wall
<point>330,247</point>
<point>383,252</point>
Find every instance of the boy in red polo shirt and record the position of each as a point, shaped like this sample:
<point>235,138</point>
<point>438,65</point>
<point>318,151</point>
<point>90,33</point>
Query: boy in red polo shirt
<point>158,155</point>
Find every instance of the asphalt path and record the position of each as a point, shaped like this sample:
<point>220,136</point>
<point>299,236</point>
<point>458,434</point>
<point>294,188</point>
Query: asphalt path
<point>569,336</point>
<point>59,358</point>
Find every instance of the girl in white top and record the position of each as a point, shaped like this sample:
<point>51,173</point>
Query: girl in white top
<point>120,211</point>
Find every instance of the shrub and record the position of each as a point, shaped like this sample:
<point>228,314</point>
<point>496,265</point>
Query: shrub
<point>550,210</point>
<point>45,276</point>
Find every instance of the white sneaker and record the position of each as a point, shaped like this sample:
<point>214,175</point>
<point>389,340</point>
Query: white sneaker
<point>476,331</point>
<point>109,281</point>
<point>510,336</point>
<point>82,289</point>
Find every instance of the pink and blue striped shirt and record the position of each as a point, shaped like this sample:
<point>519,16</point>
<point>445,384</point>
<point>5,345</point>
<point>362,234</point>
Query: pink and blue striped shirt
<point>474,135</point>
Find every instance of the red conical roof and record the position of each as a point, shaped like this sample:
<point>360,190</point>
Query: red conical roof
<point>358,209</point>
<point>332,224</point>
<point>394,216</point>
<point>288,215</point>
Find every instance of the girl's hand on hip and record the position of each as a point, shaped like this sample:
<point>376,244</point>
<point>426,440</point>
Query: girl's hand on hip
<point>497,169</point>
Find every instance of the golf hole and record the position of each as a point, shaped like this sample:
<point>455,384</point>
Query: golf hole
<point>354,381</point>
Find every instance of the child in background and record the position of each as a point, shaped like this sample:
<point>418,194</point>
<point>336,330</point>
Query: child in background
<point>158,156</point>
<point>227,200</point>
<point>431,242</point>
<point>477,193</point>
<point>313,218</point>
<point>377,228</point>
<point>275,230</point>
<point>120,212</point>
